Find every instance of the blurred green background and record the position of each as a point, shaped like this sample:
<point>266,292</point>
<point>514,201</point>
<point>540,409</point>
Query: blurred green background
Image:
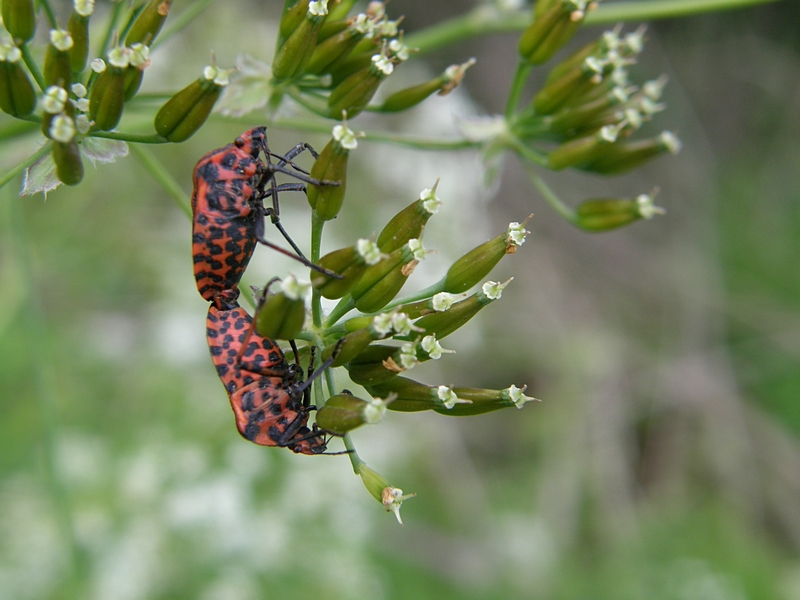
<point>662,464</point>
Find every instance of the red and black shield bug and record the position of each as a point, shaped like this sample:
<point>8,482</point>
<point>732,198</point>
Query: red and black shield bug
<point>230,184</point>
<point>269,399</point>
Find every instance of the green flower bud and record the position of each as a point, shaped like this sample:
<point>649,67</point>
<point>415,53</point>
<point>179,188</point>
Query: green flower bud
<point>590,116</point>
<point>582,151</point>
<point>19,18</point>
<point>149,22</point>
<point>556,94</point>
<point>602,214</point>
<point>444,323</point>
<point>354,93</point>
<point>380,489</point>
<point>437,303</point>
<point>413,396</point>
<point>350,263</point>
<point>624,156</point>
<point>78,27</point>
<point>57,63</point>
<point>282,315</point>
<point>296,52</point>
<point>184,113</point>
<point>381,282</point>
<point>134,73</point>
<point>444,84</point>
<point>292,18</point>
<point>409,222</point>
<point>66,155</point>
<point>17,96</point>
<point>331,166</point>
<point>108,92</point>
<point>552,28</point>
<point>337,46</point>
<point>345,412</point>
<point>476,264</point>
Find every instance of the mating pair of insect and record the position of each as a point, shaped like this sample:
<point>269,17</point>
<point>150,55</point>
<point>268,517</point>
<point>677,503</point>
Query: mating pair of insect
<point>269,398</point>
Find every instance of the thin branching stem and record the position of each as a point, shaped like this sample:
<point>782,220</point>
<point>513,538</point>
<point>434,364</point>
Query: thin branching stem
<point>550,196</point>
<point>517,87</point>
<point>181,20</point>
<point>32,66</point>
<point>138,138</point>
<point>48,11</point>
<point>27,162</point>
<point>157,171</point>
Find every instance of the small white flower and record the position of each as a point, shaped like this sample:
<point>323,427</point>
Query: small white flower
<point>62,129</point>
<point>82,104</point>
<point>345,136</point>
<point>119,57</point>
<point>319,8</point>
<point>443,301</point>
<point>434,349</point>
<point>98,65</point>
<point>430,201</point>
<point>417,249</point>
<point>402,325</point>
<point>83,124</point>
<point>294,289</point>
<point>84,7</point>
<point>670,141</point>
<point>140,55</point>
<point>392,499</point>
<point>646,207</point>
<point>374,411</point>
<point>398,49</point>
<point>10,53</point>
<point>494,290</point>
<point>382,323</point>
<point>55,99</point>
<point>79,90</point>
<point>383,64</point>
<point>516,233</point>
<point>449,398</point>
<point>516,395</point>
<point>369,251</point>
<point>61,39</point>
<point>408,355</point>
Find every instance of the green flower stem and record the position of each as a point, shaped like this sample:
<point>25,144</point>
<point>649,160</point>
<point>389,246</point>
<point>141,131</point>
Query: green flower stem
<point>345,305</point>
<point>112,22</point>
<point>529,154</point>
<point>32,66</point>
<point>549,196</point>
<point>163,177</point>
<point>428,292</point>
<point>486,20</point>
<point>138,138</point>
<point>48,11</point>
<point>517,87</point>
<point>24,164</point>
<point>181,20</point>
<point>317,225</point>
<point>355,459</point>
<point>44,382</point>
<point>302,99</point>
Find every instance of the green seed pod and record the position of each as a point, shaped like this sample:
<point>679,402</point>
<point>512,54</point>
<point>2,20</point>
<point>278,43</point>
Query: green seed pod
<point>536,33</point>
<point>477,263</point>
<point>149,22</point>
<point>624,156</point>
<point>380,489</point>
<point>438,303</point>
<point>582,151</point>
<point>354,93</point>
<point>350,263</point>
<point>338,10</point>
<point>350,346</point>
<point>331,166</point>
<point>17,96</point>
<point>331,27</point>
<point>292,18</point>
<point>442,324</point>
<point>57,62</point>
<point>409,222</point>
<point>184,113</point>
<point>443,85</point>
<point>590,115</point>
<point>66,154</point>
<point>381,282</point>
<point>19,18</point>
<point>345,412</point>
<point>78,28</point>
<point>413,396</point>
<point>603,214</point>
<point>552,28</point>
<point>296,52</point>
<point>337,46</point>
<point>373,365</point>
<point>556,94</point>
<point>282,316</point>
<point>108,92</point>
<point>134,73</point>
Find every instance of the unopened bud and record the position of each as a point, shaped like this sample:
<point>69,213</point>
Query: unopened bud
<point>17,96</point>
<point>443,324</point>
<point>381,282</point>
<point>603,214</point>
<point>282,315</point>
<point>108,92</point>
<point>476,264</point>
<point>350,263</point>
<point>296,51</point>
<point>67,158</point>
<point>345,412</point>
<point>149,22</point>
<point>57,65</point>
<point>19,19</point>
<point>331,166</point>
<point>389,496</point>
<point>624,156</point>
<point>409,222</point>
<point>184,113</point>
